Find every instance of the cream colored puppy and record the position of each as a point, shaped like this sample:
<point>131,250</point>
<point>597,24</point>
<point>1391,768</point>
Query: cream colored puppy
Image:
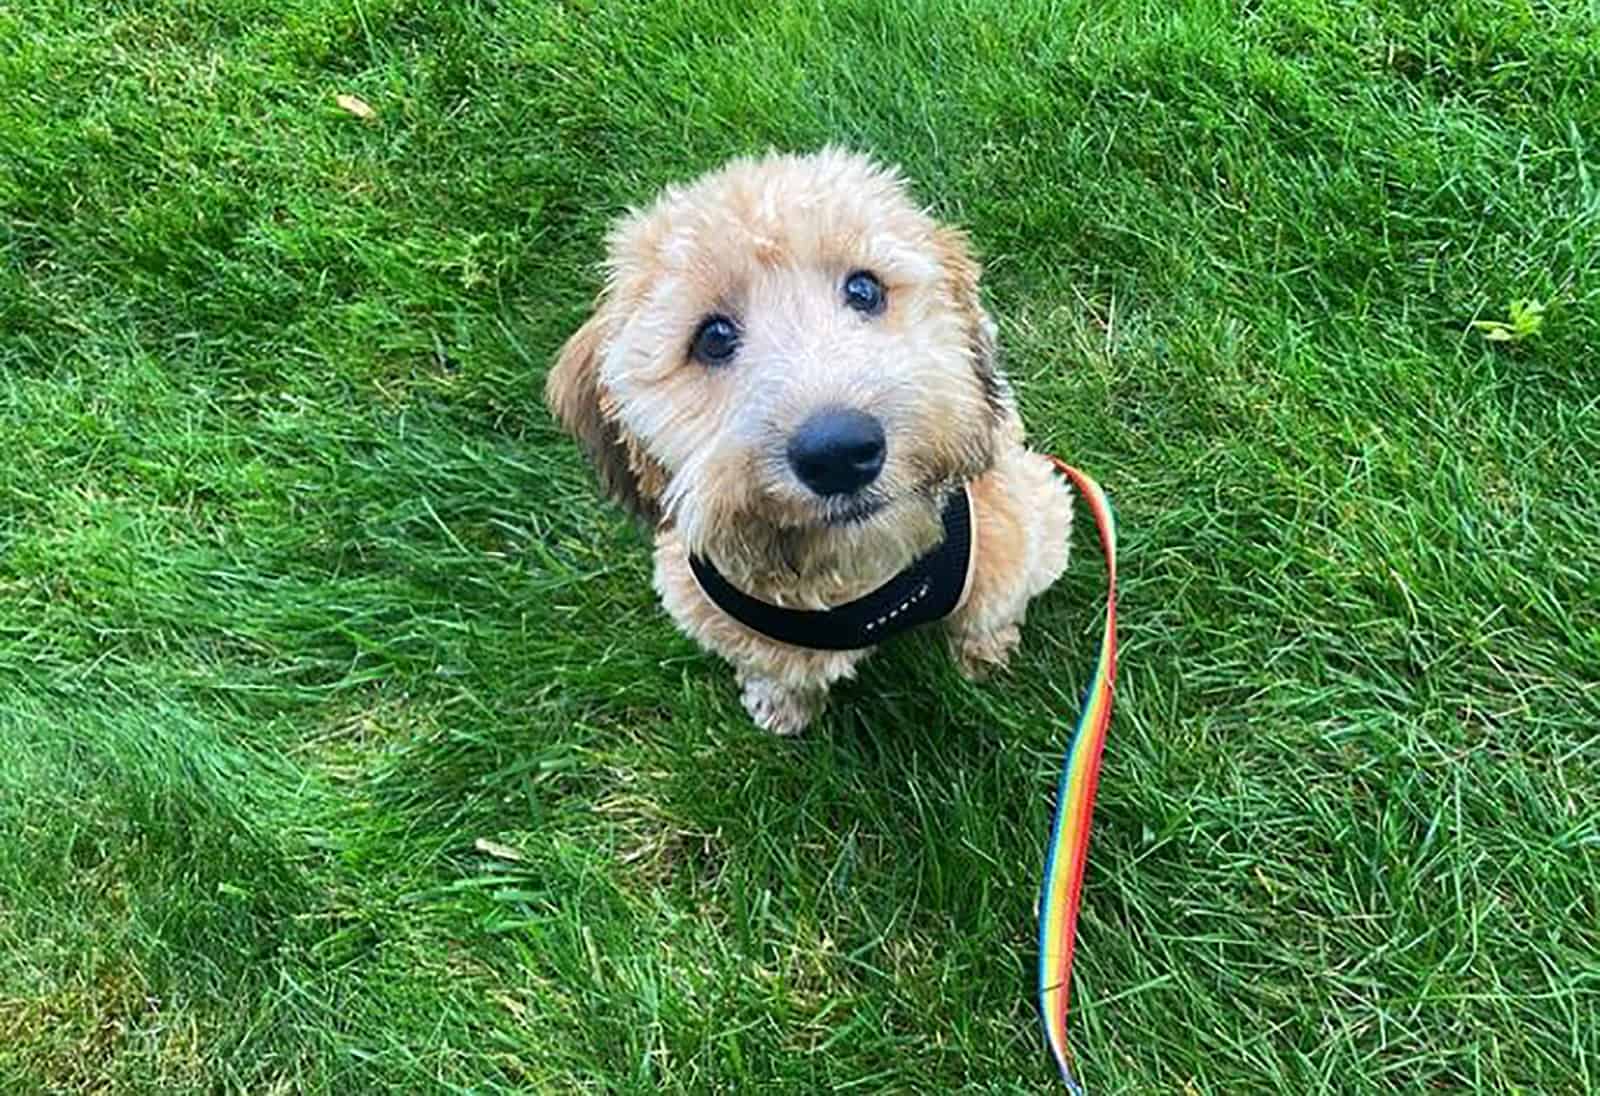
<point>790,378</point>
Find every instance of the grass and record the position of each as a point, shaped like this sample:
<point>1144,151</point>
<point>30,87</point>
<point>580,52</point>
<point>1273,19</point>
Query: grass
<point>302,597</point>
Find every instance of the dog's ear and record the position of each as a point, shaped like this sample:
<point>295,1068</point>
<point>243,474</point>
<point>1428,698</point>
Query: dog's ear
<point>961,272</point>
<point>628,475</point>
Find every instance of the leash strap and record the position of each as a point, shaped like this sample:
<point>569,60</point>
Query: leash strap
<point>1080,773</point>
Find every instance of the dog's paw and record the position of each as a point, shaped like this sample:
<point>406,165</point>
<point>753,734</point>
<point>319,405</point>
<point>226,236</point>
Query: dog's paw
<point>982,654</point>
<point>778,708</point>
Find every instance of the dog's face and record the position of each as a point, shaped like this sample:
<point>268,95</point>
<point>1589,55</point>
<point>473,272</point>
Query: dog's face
<point>789,363</point>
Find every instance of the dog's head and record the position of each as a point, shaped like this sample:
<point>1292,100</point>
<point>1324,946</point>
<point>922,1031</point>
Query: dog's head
<point>789,362</point>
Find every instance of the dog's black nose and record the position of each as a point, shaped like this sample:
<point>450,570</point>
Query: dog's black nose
<point>837,451</point>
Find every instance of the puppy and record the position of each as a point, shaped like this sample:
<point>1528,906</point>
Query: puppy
<point>790,379</point>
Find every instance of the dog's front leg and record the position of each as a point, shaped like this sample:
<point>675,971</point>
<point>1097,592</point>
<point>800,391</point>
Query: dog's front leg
<point>1022,515</point>
<point>982,653</point>
<point>783,688</point>
<point>778,707</point>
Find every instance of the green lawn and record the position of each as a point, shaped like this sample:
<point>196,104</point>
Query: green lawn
<point>302,596</point>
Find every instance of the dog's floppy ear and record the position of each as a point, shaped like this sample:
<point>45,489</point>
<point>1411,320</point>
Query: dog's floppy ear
<point>572,390</point>
<point>961,273</point>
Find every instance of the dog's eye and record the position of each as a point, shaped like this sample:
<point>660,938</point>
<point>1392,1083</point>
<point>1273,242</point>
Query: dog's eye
<point>864,293</point>
<point>715,341</point>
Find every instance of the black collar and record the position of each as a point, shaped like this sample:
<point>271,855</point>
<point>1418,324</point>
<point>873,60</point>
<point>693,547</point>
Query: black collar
<point>928,590</point>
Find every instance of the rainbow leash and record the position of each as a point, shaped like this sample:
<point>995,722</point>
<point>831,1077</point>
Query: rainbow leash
<point>1080,773</point>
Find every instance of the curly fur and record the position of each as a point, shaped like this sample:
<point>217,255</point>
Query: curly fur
<point>698,453</point>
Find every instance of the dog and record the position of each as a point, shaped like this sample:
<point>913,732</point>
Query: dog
<point>789,379</point>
